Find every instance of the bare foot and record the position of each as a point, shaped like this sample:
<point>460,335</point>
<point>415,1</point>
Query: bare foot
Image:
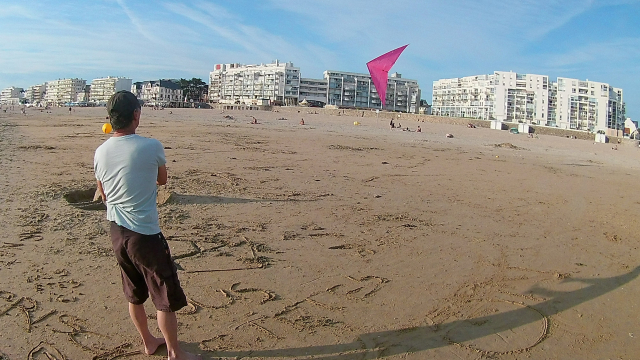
<point>183,355</point>
<point>151,347</point>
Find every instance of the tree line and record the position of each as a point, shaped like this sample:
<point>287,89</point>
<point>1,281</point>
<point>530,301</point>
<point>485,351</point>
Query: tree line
<point>194,90</point>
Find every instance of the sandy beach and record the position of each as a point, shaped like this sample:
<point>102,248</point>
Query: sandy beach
<point>329,240</point>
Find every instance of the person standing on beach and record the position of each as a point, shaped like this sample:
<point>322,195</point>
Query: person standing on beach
<point>127,168</point>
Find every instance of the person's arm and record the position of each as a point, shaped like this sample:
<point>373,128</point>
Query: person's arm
<point>101,190</point>
<point>162,175</point>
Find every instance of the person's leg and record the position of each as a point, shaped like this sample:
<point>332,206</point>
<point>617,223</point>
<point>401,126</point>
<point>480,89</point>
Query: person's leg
<point>139,317</point>
<point>152,254</point>
<point>133,285</point>
<point>168,324</point>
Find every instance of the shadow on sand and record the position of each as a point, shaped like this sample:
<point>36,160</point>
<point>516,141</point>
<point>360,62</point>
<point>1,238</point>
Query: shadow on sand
<point>206,200</point>
<point>411,340</point>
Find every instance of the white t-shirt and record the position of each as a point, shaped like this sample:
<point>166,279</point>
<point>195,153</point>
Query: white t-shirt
<point>127,167</point>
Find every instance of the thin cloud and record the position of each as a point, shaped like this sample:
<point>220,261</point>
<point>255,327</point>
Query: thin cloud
<point>450,28</point>
<point>17,11</point>
<point>137,23</point>
<point>215,11</point>
<point>198,17</point>
<point>259,43</point>
<point>531,19</point>
<point>590,55</point>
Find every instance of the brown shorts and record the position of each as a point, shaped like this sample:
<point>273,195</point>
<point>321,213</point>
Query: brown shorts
<point>147,269</point>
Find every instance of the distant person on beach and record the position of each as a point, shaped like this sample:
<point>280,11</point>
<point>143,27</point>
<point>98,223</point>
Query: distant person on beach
<point>254,121</point>
<point>419,129</point>
<point>127,168</point>
<point>302,122</point>
<point>391,124</point>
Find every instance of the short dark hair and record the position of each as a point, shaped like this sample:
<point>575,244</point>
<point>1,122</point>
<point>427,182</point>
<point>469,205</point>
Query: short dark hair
<point>121,107</point>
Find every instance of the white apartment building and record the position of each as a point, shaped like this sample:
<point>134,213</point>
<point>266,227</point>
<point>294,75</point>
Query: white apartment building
<point>346,89</point>
<point>531,99</point>
<point>11,96</point>
<point>313,90</point>
<point>254,84</point>
<point>588,105</point>
<point>35,94</point>
<point>103,88</point>
<point>503,96</point>
<point>62,91</point>
<point>158,92</point>
<point>522,97</point>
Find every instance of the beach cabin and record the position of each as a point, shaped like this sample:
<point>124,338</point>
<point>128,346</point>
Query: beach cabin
<point>497,125</point>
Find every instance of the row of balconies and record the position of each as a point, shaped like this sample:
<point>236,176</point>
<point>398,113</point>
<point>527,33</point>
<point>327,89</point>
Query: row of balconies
<point>259,81</point>
<point>240,86</point>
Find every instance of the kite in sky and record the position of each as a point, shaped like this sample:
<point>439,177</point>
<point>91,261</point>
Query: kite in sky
<point>379,70</point>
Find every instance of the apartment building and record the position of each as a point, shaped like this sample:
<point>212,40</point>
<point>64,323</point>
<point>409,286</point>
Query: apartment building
<point>522,98</point>
<point>531,99</point>
<point>255,84</point>
<point>347,89</point>
<point>62,91</point>
<point>588,105</point>
<point>280,83</point>
<point>503,96</point>
<point>11,96</point>
<point>161,92</point>
<point>35,94</point>
<point>103,88</point>
<point>313,90</point>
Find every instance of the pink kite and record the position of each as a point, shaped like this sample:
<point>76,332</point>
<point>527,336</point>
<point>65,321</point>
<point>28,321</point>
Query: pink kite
<point>379,70</point>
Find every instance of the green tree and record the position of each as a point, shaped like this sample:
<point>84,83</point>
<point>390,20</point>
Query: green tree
<point>194,90</point>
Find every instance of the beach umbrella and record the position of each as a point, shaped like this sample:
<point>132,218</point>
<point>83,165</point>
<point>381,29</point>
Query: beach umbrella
<point>379,70</point>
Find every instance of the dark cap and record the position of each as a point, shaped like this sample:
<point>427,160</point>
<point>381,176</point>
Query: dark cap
<point>121,107</point>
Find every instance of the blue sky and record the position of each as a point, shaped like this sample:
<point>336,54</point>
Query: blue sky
<point>144,40</point>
